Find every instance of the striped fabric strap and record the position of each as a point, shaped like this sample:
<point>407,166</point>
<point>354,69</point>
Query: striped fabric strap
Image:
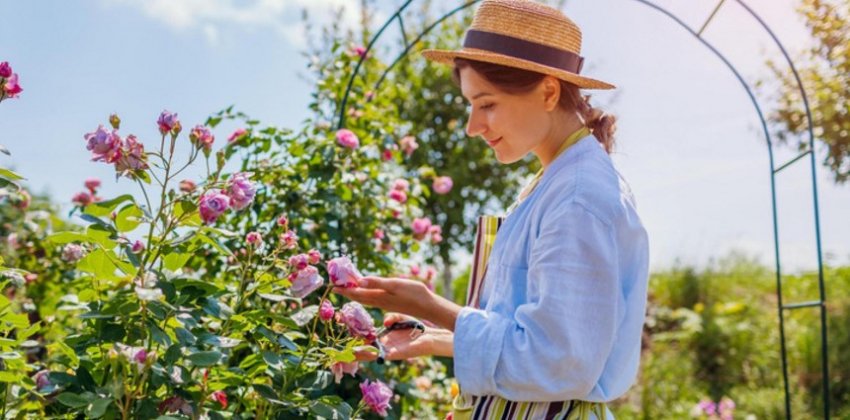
<point>485,236</point>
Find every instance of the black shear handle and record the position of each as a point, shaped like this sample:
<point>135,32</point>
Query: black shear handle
<point>400,325</point>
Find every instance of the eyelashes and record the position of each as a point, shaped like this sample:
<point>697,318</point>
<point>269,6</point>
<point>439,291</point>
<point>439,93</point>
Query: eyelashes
<point>488,106</point>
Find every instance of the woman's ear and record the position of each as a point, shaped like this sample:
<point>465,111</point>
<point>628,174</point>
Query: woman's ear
<point>551,92</point>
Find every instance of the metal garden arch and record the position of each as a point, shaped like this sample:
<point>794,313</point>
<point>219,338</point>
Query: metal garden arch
<point>809,152</point>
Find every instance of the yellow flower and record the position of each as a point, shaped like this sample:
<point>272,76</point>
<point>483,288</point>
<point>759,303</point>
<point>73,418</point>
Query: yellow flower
<point>699,307</point>
<point>455,389</point>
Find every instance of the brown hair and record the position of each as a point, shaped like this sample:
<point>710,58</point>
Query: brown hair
<point>518,81</point>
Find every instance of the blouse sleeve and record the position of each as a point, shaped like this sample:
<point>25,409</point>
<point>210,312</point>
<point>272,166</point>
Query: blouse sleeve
<point>555,345</point>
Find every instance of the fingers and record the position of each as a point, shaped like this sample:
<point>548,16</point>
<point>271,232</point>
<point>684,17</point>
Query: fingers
<point>393,317</point>
<point>365,296</point>
<point>374,282</point>
<point>364,354</point>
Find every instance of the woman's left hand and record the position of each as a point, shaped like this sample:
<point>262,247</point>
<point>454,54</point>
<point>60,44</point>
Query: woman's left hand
<point>391,294</point>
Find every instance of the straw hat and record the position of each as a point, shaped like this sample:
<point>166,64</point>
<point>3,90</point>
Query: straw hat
<point>526,35</point>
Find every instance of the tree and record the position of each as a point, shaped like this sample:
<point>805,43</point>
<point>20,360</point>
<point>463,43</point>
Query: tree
<point>825,72</point>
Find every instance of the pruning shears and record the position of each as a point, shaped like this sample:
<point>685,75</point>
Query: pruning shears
<point>417,328</point>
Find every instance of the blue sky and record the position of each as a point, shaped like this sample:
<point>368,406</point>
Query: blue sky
<point>689,138</point>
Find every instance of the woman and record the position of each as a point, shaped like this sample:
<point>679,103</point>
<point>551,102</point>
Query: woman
<point>561,311</point>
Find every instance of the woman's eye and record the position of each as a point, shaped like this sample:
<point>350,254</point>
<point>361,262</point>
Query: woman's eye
<point>488,106</point>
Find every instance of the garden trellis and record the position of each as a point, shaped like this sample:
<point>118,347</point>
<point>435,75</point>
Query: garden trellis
<point>808,155</point>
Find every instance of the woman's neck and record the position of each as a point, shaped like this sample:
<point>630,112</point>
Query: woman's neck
<point>547,151</point>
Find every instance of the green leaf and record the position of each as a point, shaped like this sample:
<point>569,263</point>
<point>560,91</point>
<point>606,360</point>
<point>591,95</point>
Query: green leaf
<point>176,260</point>
<point>10,377</point>
<point>129,218</point>
<point>60,238</point>
<point>100,264</point>
<point>204,358</point>
<point>98,408</point>
<point>104,208</point>
<point>11,176</point>
<point>72,400</point>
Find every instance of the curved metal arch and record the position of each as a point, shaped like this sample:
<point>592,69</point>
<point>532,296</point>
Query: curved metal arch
<point>773,169</point>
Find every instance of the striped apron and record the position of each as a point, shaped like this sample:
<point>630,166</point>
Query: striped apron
<point>487,407</point>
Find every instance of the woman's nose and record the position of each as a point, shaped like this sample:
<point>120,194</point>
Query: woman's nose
<point>475,126</point>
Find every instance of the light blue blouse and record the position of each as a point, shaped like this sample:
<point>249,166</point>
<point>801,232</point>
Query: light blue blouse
<point>564,298</point>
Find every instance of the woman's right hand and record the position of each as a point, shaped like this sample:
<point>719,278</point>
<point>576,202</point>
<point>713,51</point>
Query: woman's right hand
<point>406,344</point>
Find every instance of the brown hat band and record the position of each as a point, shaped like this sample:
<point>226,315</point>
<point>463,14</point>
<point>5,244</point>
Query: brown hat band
<point>524,50</point>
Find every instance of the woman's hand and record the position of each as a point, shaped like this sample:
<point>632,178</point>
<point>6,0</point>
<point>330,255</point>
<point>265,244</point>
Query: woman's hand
<point>406,344</point>
<point>391,294</point>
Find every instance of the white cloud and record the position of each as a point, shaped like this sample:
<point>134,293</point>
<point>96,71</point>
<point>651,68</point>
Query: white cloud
<point>211,16</point>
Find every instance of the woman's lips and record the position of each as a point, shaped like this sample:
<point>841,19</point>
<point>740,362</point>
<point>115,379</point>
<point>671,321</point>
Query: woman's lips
<point>493,143</point>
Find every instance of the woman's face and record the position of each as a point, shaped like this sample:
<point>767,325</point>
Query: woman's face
<point>512,125</point>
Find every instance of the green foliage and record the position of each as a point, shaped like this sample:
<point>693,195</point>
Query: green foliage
<point>825,72</point>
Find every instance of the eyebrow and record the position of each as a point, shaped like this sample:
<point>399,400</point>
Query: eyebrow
<point>480,95</point>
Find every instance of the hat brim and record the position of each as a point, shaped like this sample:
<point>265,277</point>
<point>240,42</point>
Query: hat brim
<point>448,56</point>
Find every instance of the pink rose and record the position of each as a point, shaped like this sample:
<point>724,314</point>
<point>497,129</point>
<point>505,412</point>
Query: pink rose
<point>237,135</point>
<point>11,87</point>
<point>442,185</point>
<point>42,379</point>
<point>378,234</point>
<point>82,199</point>
<point>398,195</point>
<point>254,239</point>
<point>341,368</point>
<point>220,397</point>
<point>347,138</point>
<point>377,396</point>
<point>358,321</point>
<point>289,239</point>
<point>305,281</point>
<point>314,256</point>
<point>23,200</point>
<point>92,184</point>
<point>137,356</point>
<point>133,156</point>
<point>201,136</point>
<point>436,238</point>
<point>408,145</point>
<point>240,190</point>
<point>5,69</point>
<point>421,226</point>
<point>360,51</point>
<point>343,273</point>
<point>187,186</point>
<point>138,247</point>
<point>299,262</point>
<point>168,123</point>
<point>386,155</point>
<point>282,221</point>
<point>414,270</point>
<point>104,145</point>
<point>401,185</point>
<point>212,205</point>
<point>326,310</point>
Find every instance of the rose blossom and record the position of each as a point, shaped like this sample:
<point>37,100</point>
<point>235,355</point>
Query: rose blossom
<point>175,403</point>
<point>212,205</point>
<point>23,200</point>
<point>326,311</point>
<point>378,234</point>
<point>240,190</point>
<point>341,368</point>
<point>138,356</point>
<point>289,239</point>
<point>282,221</point>
<point>398,195</point>
<point>401,185</point>
<point>420,226</point>
<point>42,379</point>
<point>442,184</point>
<point>343,273</point>
<point>11,87</point>
<point>201,136</point>
<point>5,69</point>
<point>187,185</point>
<point>360,50</point>
<point>254,239</point>
<point>299,262</point>
<point>305,281</point>
<point>138,247</point>
<point>347,138</point>
<point>133,156</point>
<point>168,123</point>
<point>92,184</point>
<point>237,135</point>
<point>314,256</point>
<point>377,396</point>
<point>221,397</point>
<point>82,198</point>
<point>387,154</point>
<point>358,321</point>
<point>409,144</point>
<point>104,145</point>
